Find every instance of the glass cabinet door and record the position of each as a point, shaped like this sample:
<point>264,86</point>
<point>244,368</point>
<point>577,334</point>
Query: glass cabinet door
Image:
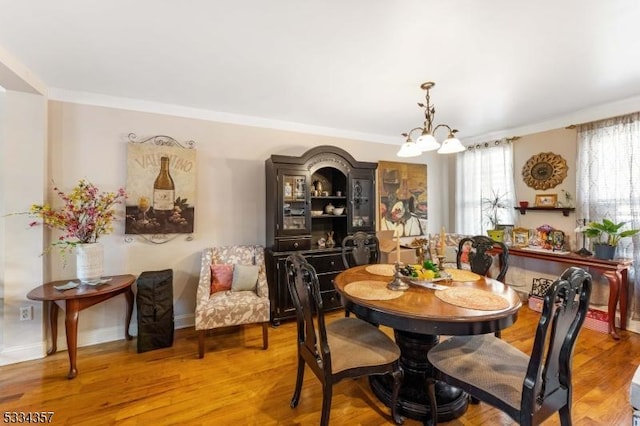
<point>294,212</point>
<point>362,207</point>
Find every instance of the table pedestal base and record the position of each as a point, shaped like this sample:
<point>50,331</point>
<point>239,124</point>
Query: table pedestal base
<point>413,400</point>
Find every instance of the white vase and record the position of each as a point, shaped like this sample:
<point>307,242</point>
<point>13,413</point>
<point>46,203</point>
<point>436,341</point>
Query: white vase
<point>89,262</point>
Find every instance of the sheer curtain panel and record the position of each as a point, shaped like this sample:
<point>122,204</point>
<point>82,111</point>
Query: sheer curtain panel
<point>608,183</point>
<point>481,172</point>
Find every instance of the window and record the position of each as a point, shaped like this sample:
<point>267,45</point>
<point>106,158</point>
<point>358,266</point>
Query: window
<point>484,172</point>
<point>608,172</point>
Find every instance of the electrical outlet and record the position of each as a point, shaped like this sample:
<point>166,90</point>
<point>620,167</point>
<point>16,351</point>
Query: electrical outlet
<point>26,313</point>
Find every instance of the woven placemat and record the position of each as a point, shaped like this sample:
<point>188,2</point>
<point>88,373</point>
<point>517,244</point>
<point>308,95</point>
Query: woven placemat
<point>462,275</point>
<point>385,270</point>
<point>371,290</point>
<point>473,298</point>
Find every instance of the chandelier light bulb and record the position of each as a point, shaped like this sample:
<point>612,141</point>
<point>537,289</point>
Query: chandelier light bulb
<point>451,146</point>
<point>426,142</point>
<point>409,149</point>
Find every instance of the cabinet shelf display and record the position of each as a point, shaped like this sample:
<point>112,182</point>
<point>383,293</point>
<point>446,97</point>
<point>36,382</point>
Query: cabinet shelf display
<point>295,188</point>
<point>300,195</point>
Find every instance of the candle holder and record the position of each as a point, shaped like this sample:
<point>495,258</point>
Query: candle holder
<point>582,223</point>
<point>441,262</point>
<point>397,284</point>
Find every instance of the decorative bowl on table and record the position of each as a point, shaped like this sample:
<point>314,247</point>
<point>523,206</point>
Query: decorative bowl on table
<point>338,210</point>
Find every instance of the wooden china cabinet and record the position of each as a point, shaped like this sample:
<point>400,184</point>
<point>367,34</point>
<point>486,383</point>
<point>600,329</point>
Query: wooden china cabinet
<point>300,194</point>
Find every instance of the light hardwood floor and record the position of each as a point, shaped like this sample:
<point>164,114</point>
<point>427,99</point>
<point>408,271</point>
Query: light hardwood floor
<point>237,383</point>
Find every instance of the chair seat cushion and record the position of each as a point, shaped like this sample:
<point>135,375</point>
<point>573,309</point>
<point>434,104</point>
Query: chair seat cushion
<point>484,362</point>
<point>356,343</point>
<point>227,308</point>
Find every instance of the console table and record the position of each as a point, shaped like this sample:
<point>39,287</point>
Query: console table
<point>616,272</point>
<point>72,301</point>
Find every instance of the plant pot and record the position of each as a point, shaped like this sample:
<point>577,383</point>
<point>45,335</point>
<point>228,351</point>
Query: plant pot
<point>89,262</point>
<point>496,234</point>
<point>604,251</point>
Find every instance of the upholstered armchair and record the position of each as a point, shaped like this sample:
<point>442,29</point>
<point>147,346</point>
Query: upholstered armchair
<point>232,290</point>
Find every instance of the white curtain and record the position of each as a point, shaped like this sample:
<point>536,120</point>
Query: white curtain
<point>608,176</point>
<point>483,171</point>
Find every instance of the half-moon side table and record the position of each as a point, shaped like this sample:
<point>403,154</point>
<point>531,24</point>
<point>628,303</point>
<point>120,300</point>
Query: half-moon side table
<point>74,300</point>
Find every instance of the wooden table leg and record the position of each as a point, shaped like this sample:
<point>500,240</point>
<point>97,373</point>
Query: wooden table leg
<point>53,323</point>
<point>624,297</point>
<point>71,325</point>
<point>614,292</point>
<point>129,296</point>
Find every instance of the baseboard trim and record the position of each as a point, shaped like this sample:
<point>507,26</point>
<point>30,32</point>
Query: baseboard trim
<point>22,353</point>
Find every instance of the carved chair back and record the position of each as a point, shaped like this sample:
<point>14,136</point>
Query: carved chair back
<point>547,384</point>
<point>529,388</point>
<point>360,249</point>
<point>480,258</point>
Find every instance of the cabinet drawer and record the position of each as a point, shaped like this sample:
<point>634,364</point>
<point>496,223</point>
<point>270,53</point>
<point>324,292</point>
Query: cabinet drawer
<point>291,244</point>
<point>326,281</point>
<point>326,263</point>
<point>330,300</point>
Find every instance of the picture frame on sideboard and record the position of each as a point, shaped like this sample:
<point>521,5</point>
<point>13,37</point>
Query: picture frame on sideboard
<point>508,233</point>
<point>520,237</point>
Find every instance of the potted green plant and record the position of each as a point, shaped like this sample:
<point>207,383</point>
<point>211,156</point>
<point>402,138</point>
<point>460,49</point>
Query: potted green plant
<point>491,207</point>
<point>607,235</point>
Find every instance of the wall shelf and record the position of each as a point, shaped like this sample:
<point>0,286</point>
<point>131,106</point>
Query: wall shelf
<point>565,210</point>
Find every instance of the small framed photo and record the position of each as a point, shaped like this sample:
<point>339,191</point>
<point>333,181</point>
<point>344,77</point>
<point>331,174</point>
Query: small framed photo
<point>508,233</point>
<point>508,229</point>
<point>546,200</point>
<point>520,237</point>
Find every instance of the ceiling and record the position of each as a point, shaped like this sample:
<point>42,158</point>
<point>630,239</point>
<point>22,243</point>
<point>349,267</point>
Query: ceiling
<point>351,68</point>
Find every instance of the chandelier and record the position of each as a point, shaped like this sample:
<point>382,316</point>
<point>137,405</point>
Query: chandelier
<point>426,141</point>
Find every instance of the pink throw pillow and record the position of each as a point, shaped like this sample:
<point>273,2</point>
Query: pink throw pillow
<point>221,277</point>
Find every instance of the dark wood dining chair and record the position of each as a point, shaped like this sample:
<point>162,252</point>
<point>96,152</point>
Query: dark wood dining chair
<point>360,249</point>
<point>480,260</point>
<point>346,347</point>
<point>527,388</point>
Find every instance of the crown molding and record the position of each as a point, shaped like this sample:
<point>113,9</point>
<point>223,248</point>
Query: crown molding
<point>586,115</point>
<point>95,99</point>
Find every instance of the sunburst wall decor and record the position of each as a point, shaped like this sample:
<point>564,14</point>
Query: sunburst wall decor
<point>544,170</point>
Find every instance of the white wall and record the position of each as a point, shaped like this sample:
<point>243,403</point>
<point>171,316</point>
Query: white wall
<point>82,141</point>
<point>22,151</point>
<point>561,142</point>
<point>91,142</point>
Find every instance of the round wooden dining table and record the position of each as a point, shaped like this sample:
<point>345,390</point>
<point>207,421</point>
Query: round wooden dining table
<point>418,318</point>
